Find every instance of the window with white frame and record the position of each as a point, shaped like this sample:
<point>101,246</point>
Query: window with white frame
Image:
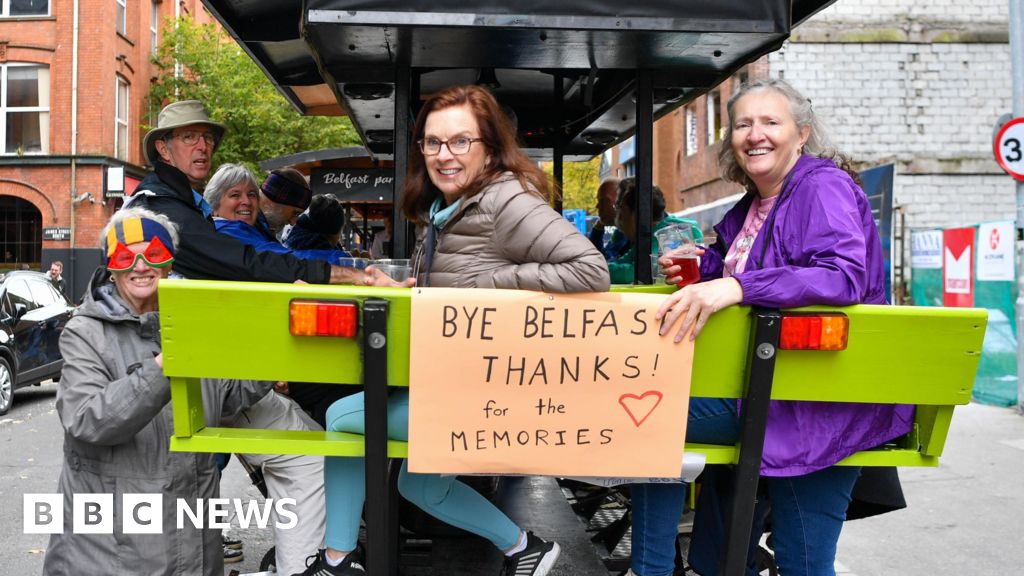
<point>714,117</point>
<point>154,27</point>
<point>26,8</point>
<point>691,131</point>
<point>25,108</point>
<point>121,120</point>
<point>122,17</point>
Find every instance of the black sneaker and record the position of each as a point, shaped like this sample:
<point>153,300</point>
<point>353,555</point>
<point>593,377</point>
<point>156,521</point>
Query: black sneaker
<point>536,560</point>
<point>317,566</point>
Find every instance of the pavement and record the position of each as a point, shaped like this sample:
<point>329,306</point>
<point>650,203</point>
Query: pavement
<point>965,517</point>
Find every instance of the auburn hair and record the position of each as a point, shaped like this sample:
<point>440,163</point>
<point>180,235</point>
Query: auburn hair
<point>496,133</point>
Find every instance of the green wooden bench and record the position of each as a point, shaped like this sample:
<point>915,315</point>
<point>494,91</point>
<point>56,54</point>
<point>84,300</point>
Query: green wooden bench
<point>896,355</point>
<point>909,355</point>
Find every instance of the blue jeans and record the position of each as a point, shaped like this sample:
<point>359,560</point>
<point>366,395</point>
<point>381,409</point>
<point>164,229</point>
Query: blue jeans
<point>443,497</point>
<point>807,512</point>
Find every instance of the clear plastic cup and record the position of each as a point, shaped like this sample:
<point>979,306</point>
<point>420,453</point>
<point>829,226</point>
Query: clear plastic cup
<point>395,272</point>
<point>392,262</point>
<point>677,244</point>
<point>675,239</point>
<point>657,272</point>
<point>397,268</point>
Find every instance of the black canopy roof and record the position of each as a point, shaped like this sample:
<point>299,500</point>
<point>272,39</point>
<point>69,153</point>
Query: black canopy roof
<point>567,69</point>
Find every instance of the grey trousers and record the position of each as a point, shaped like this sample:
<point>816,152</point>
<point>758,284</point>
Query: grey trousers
<point>289,476</point>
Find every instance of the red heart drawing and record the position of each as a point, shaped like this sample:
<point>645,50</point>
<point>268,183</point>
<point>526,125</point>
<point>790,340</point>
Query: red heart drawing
<point>643,405</point>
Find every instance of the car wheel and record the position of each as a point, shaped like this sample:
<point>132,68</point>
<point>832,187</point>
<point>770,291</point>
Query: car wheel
<point>6,387</point>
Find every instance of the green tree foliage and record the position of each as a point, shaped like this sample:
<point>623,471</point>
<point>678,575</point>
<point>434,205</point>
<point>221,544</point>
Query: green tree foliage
<point>579,184</point>
<point>261,124</point>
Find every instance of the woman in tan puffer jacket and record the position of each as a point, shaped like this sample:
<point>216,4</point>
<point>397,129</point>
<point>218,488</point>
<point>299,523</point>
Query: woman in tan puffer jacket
<point>487,203</point>
<point>506,235</point>
<point>484,222</point>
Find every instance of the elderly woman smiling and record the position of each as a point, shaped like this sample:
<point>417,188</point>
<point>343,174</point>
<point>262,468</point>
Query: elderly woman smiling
<point>802,235</point>
<point>114,405</point>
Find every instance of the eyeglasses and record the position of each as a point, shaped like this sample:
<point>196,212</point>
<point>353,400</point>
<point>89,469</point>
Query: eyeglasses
<point>191,138</point>
<point>457,146</point>
<point>156,255</point>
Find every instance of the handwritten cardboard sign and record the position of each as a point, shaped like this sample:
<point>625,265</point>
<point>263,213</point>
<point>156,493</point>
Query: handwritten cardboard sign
<point>515,382</point>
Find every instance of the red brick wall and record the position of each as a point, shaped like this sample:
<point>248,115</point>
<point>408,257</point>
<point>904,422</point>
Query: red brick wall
<point>103,55</point>
<point>689,181</point>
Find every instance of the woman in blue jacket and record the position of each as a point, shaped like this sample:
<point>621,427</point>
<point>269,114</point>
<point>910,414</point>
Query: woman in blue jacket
<point>802,235</point>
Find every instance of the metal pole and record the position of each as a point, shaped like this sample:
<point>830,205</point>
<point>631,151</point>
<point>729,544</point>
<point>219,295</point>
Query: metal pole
<point>754,419</point>
<point>364,234</point>
<point>644,175</point>
<point>557,157</point>
<point>1017,73</point>
<point>381,506</point>
<point>399,225</point>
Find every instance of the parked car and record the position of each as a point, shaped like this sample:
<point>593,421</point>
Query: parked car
<point>32,315</point>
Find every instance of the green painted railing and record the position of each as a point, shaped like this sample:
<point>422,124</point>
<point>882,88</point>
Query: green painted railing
<point>896,355</point>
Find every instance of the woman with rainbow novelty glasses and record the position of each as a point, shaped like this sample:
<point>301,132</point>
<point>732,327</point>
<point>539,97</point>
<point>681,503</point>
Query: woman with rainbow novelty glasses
<point>114,404</point>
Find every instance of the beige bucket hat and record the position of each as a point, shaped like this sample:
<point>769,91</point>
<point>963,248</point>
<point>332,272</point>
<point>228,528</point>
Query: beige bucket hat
<point>176,115</point>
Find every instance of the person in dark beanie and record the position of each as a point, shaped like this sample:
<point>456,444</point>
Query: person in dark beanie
<point>283,196</point>
<point>320,227</point>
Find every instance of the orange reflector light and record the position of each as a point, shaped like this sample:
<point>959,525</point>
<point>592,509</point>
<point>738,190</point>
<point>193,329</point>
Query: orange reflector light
<point>820,332</point>
<point>323,318</point>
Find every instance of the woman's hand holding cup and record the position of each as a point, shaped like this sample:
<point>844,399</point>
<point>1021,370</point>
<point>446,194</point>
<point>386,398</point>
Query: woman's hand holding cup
<point>678,255</point>
<point>681,267</point>
<point>376,277</point>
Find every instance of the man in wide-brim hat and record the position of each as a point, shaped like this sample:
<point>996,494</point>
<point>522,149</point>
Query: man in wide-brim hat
<point>185,138</point>
<point>181,148</point>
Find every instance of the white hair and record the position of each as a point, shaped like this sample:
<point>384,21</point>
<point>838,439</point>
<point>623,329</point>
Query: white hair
<point>225,177</point>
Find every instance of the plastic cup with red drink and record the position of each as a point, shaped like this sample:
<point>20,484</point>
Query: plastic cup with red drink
<point>677,246</point>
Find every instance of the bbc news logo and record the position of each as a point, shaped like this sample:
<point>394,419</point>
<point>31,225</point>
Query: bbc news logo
<point>143,513</point>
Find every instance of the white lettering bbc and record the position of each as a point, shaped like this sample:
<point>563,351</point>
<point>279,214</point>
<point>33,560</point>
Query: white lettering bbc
<point>143,513</point>
<point>43,513</point>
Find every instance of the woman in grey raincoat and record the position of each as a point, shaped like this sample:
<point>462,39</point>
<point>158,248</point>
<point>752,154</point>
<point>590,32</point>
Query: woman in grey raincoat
<point>114,404</point>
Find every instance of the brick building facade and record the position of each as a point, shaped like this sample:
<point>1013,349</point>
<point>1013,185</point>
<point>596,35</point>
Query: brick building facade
<point>919,84</point>
<point>916,83</point>
<point>73,88</point>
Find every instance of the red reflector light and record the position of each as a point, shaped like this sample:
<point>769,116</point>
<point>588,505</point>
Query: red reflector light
<point>821,332</point>
<point>320,318</point>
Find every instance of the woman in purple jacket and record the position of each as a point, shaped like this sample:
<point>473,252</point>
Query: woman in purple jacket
<point>802,235</point>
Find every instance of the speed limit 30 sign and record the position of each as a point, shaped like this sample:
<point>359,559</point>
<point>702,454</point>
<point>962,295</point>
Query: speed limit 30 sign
<point>1009,148</point>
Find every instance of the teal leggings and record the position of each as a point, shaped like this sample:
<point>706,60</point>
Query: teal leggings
<point>443,497</point>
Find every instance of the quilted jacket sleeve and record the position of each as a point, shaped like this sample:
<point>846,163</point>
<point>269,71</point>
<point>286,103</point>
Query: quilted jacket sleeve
<point>546,252</point>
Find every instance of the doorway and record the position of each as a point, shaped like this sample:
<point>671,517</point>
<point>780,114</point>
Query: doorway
<point>21,234</point>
